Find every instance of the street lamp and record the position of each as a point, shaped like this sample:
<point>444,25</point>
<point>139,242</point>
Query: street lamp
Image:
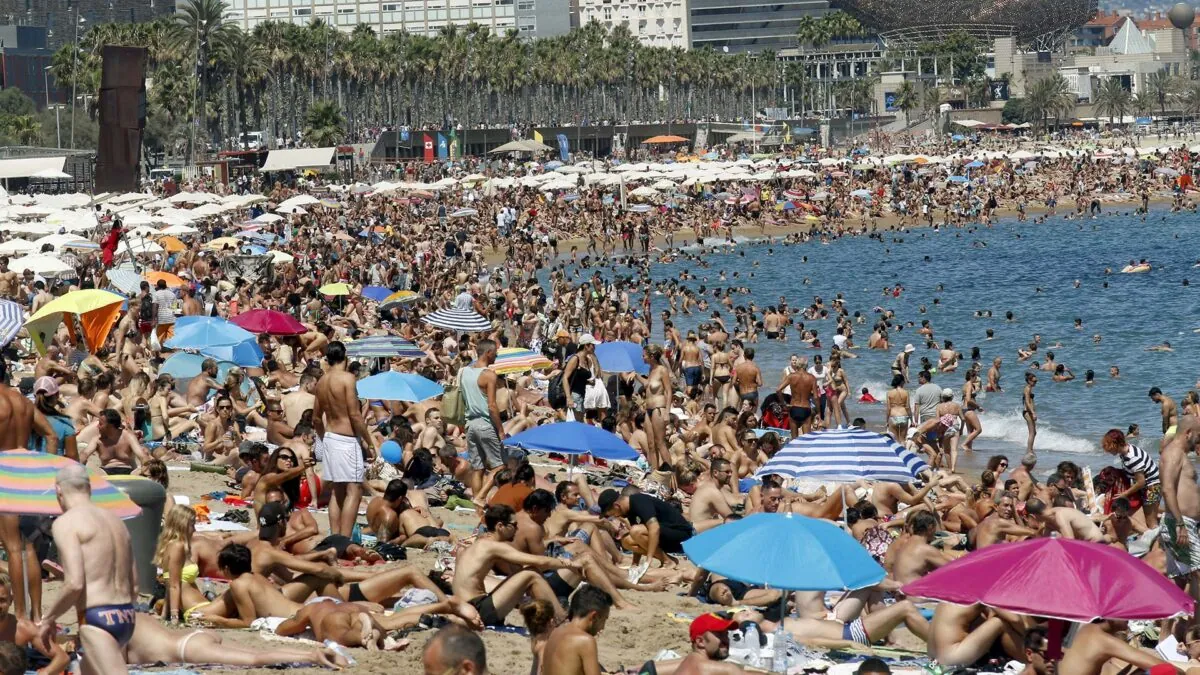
<point>75,72</point>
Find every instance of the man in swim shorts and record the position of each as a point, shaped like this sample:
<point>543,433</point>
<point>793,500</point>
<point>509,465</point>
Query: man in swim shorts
<point>1181,496</point>
<point>343,441</point>
<point>97,561</point>
<point>803,387</point>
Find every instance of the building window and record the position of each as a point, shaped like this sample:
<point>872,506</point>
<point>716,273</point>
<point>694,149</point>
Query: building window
<point>303,12</point>
<point>527,26</point>
<point>345,10</point>
<point>391,8</point>
<point>608,13</point>
<point>526,5</point>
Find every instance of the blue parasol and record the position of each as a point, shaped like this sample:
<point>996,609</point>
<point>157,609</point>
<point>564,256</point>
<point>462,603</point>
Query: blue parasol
<point>622,357</point>
<point>393,386</point>
<point>573,438</point>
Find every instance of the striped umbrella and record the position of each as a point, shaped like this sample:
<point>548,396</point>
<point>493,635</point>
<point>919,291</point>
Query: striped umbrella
<point>127,282</point>
<point>12,317</point>
<point>27,486</point>
<point>398,299</point>
<point>845,455</point>
<point>517,360</point>
<point>383,347</point>
<point>461,320</point>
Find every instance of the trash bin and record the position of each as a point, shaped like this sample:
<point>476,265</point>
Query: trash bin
<point>143,530</point>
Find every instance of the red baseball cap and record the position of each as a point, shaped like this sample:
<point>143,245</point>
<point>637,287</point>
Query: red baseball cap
<point>709,623</point>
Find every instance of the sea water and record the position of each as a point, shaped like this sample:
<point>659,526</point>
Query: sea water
<point>1026,268</point>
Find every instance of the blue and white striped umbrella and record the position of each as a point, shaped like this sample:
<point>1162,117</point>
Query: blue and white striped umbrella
<point>383,347</point>
<point>127,282</point>
<point>845,455</point>
<point>12,317</point>
<point>461,320</point>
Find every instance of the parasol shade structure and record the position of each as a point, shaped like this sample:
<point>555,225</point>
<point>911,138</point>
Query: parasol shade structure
<point>573,438</point>
<point>622,357</point>
<point>393,386</point>
<point>655,140</point>
<point>461,320</point>
<point>204,332</point>
<point>785,551</point>
<point>512,360</point>
<point>27,486</point>
<point>12,317</point>
<point>270,322</point>
<point>383,347</point>
<point>1057,578</point>
<point>96,309</point>
<point>844,456</point>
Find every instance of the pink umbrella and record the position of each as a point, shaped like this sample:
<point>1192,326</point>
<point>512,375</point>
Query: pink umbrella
<point>1056,578</point>
<point>270,322</point>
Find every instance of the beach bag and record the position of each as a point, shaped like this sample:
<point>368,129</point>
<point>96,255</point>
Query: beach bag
<point>555,394</point>
<point>454,406</point>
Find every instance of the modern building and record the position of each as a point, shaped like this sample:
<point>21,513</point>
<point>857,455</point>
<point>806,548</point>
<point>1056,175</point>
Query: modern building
<point>1044,23</point>
<point>533,18</point>
<point>58,17</point>
<point>655,23</point>
<point>24,59</point>
<point>749,25</point>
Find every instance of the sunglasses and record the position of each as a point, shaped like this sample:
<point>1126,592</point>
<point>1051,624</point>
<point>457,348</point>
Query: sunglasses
<point>290,458</point>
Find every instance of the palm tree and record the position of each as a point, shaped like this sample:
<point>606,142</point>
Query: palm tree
<point>907,98</point>
<point>1049,97</point>
<point>1191,99</point>
<point>324,124</point>
<point>1112,99</point>
<point>1141,104</point>
<point>1160,86</point>
<point>24,128</point>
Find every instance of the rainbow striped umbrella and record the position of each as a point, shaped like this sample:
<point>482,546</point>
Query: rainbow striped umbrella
<point>27,486</point>
<point>398,299</point>
<point>516,360</point>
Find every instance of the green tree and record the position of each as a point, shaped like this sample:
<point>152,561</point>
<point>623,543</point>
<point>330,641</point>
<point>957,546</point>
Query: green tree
<point>1015,111</point>
<point>907,99</point>
<point>1049,97</point>
<point>1112,100</point>
<point>1160,86</point>
<point>324,125</point>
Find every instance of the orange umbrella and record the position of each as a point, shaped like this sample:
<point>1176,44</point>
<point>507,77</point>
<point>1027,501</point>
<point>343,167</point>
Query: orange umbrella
<point>172,280</point>
<point>666,139</point>
<point>172,245</point>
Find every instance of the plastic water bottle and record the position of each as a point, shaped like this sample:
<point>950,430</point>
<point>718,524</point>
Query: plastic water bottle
<point>753,644</point>
<point>737,642</point>
<point>779,659</point>
<point>340,651</point>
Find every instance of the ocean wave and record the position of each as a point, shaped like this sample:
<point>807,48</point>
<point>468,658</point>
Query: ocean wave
<point>878,389</point>
<point>1010,428</point>
<point>719,243</point>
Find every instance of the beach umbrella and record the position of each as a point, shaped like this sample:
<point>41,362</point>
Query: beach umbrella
<point>958,179</point>
<point>785,551</point>
<point>200,332</point>
<point>383,347</point>
<point>845,455</point>
<point>124,280</point>
<point>97,311</point>
<point>172,281</point>
<point>461,320</point>
<point>622,357</point>
<point>45,265</point>
<point>27,486</point>
<point>335,289</point>
<point>270,322</point>
<point>463,213</point>
<point>376,293</point>
<point>12,317</point>
<point>398,299</point>
<point>1058,578</point>
<point>281,257</point>
<point>517,360</point>
<point>172,244</point>
<point>975,165</point>
<point>246,354</point>
<point>654,140</point>
<point>573,438</point>
<point>393,386</point>
<point>861,194</point>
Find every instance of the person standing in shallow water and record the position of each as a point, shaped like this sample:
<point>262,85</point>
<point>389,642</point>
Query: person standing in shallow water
<point>1029,411</point>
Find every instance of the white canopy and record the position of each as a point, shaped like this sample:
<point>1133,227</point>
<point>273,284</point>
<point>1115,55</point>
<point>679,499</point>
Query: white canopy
<point>302,158</point>
<point>24,167</point>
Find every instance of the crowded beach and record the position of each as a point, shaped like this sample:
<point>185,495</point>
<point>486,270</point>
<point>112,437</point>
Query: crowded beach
<point>441,418</point>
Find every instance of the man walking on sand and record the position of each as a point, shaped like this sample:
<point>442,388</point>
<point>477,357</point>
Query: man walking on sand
<point>344,445</point>
<point>98,573</point>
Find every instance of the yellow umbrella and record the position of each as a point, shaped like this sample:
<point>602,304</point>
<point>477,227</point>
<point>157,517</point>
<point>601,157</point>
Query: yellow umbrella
<point>97,310</point>
<point>223,242</point>
<point>335,289</point>
<point>172,245</point>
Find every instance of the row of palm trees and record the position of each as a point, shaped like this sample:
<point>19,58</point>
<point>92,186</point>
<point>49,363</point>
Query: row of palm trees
<point>204,68</point>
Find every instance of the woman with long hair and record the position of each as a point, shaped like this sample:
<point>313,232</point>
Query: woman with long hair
<point>1029,411</point>
<point>179,568</point>
<point>166,410</point>
<point>284,471</point>
<point>46,402</point>
<point>839,388</point>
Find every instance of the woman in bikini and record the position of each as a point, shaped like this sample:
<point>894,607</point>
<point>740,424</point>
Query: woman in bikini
<point>1029,411</point>
<point>177,565</point>
<point>166,410</point>
<point>839,387</point>
<point>897,406</point>
<point>971,408</point>
<point>721,383</point>
<point>658,403</point>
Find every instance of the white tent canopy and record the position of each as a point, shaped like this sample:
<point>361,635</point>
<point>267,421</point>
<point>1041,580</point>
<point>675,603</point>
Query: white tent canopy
<point>24,167</point>
<point>303,158</point>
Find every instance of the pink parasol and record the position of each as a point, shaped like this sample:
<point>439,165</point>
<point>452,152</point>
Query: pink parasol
<point>1056,578</point>
<point>270,322</point>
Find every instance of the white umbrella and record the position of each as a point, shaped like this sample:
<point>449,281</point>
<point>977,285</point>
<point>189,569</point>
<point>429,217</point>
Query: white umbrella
<point>178,230</point>
<point>281,257</point>
<point>44,265</point>
<point>299,200</point>
<point>51,173</point>
<point>17,246</point>
<point>291,209</point>
<point>268,218</point>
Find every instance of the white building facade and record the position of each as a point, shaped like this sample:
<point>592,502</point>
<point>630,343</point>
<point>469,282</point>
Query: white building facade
<point>418,17</point>
<point>655,23</point>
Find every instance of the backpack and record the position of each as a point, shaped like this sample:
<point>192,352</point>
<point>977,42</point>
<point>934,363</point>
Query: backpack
<point>146,310</point>
<point>555,395</point>
<point>454,406</point>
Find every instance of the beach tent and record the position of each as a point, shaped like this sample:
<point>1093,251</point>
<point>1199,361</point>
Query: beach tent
<point>97,311</point>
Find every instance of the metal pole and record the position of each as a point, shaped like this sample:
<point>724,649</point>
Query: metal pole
<point>46,81</point>
<point>58,124</point>
<point>75,74</point>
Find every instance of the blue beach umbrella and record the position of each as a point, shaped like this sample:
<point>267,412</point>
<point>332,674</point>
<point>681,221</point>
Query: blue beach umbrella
<point>573,438</point>
<point>376,293</point>
<point>12,317</point>
<point>393,386</point>
<point>845,455</point>
<point>184,366</point>
<point>383,347</point>
<point>200,332</point>
<point>622,357</point>
<point>785,551</point>
<point>959,179</point>
<point>975,165</point>
<point>246,354</point>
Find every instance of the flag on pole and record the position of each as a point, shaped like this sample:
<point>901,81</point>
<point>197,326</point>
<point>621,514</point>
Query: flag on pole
<point>455,153</point>
<point>537,136</point>
<point>564,147</point>
<point>443,146</point>
<point>428,148</point>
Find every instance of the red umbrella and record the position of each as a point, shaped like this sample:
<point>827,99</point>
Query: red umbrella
<point>270,322</point>
<point>1056,578</point>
